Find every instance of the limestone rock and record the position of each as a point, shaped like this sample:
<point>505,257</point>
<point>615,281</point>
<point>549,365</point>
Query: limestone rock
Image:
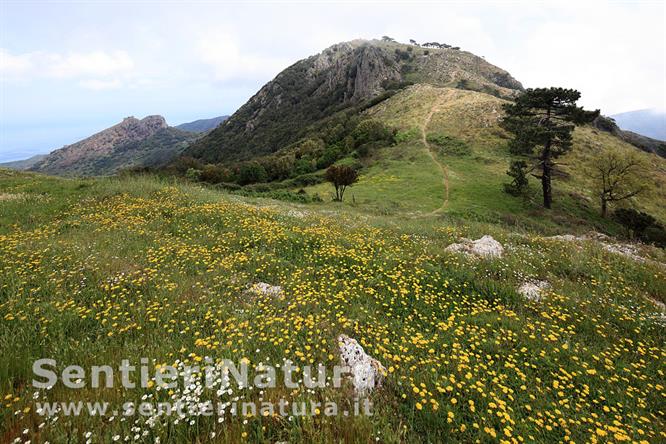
<point>608,244</point>
<point>483,247</point>
<point>367,372</point>
<point>533,290</point>
<point>264,289</point>
<point>623,249</point>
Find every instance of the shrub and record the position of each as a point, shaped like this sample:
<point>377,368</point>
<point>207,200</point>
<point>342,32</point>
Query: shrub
<point>193,174</point>
<point>304,165</point>
<point>305,180</point>
<point>184,163</point>
<point>450,146</point>
<point>310,147</point>
<point>656,235</point>
<point>371,130</point>
<point>228,186</point>
<point>251,172</point>
<point>329,156</point>
<point>402,55</point>
<point>285,195</point>
<point>636,222</point>
<point>517,171</point>
<point>341,177</point>
<point>259,187</point>
<point>215,174</point>
<point>407,135</point>
<point>363,151</point>
<point>278,168</point>
<point>641,225</point>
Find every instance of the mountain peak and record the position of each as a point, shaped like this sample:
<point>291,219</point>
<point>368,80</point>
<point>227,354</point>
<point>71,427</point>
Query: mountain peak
<point>340,77</point>
<point>102,145</point>
<point>148,122</point>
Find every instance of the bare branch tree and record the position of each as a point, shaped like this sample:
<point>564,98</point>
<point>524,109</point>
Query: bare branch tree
<point>618,177</point>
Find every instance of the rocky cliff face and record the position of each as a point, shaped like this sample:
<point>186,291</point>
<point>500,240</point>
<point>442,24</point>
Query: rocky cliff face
<point>358,67</point>
<point>125,140</point>
<point>340,77</point>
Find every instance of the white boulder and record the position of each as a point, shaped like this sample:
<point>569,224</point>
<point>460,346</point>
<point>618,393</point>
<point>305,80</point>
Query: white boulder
<point>624,250</point>
<point>566,238</point>
<point>483,247</point>
<point>264,289</point>
<point>533,290</point>
<point>367,372</point>
<point>608,244</point>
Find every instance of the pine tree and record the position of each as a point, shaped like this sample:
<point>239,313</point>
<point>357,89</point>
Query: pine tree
<point>517,171</point>
<point>542,121</point>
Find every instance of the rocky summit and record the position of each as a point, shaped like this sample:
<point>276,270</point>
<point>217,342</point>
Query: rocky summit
<point>343,76</point>
<point>122,145</point>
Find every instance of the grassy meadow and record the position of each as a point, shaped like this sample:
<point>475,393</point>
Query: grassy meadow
<point>476,175</point>
<point>99,270</point>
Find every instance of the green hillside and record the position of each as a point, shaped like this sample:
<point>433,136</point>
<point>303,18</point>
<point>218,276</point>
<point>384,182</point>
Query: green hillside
<point>487,317</point>
<point>99,270</point>
<point>405,178</point>
<point>156,150</point>
<point>202,125</point>
<point>23,164</point>
<point>343,77</point>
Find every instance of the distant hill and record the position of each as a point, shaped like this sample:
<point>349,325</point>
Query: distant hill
<point>131,143</point>
<point>344,76</point>
<point>640,141</point>
<point>646,122</point>
<point>23,164</point>
<point>202,125</point>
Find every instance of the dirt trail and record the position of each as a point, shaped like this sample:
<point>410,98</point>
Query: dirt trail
<point>443,168</point>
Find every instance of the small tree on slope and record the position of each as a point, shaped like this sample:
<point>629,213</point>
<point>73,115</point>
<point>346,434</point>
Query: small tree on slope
<point>341,177</point>
<point>618,176</point>
<point>541,121</point>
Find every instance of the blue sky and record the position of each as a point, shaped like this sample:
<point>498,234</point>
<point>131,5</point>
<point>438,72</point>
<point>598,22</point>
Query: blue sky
<point>69,69</point>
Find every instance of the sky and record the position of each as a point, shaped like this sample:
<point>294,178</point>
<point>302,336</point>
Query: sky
<point>71,68</point>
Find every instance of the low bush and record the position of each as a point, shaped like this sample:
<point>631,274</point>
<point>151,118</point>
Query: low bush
<point>450,146</point>
<point>407,135</point>
<point>284,195</point>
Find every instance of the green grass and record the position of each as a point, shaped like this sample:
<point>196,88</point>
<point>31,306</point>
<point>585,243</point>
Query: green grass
<point>96,271</point>
<point>99,270</point>
<point>476,179</point>
<point>399,180</point>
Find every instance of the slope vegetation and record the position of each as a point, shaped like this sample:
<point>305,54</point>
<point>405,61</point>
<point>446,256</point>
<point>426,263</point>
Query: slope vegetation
<point>23,164</point>
<point>470,161</point>
<point>346,75</point>
<point>467,357</point>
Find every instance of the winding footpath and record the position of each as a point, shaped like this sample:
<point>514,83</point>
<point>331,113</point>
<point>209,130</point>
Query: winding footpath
<point>442,167</point>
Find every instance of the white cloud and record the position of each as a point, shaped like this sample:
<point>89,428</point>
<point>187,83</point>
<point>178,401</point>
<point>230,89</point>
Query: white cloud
<point>13,65</point>
<point>95,70</point>
<point>228,61</point>
<point>100,85</point>
<point>96,63</point>
<point>613,54</point>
